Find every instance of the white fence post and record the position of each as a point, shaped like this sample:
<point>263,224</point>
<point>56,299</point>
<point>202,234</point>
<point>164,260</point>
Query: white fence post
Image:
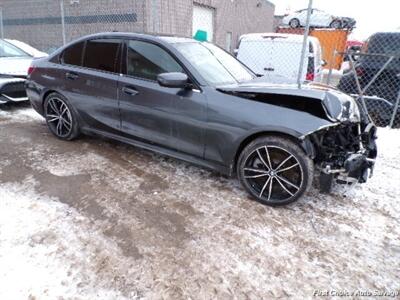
<point>395,109</point>
<point>1,24</point>
<point>63,22</point>
<point>303,50</point>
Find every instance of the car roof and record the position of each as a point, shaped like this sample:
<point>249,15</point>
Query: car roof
<point>170,39</point>
<point>175,40</point>
<point>286,36</point>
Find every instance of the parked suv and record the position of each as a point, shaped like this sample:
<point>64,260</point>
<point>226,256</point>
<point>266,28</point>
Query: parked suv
<point>381,96</point>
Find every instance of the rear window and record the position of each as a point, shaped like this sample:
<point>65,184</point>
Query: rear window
<point>73,55</point>
<point>102,55</point>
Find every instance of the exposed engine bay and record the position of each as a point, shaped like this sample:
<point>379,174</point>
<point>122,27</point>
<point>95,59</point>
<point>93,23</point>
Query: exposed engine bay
<point>345,153</point>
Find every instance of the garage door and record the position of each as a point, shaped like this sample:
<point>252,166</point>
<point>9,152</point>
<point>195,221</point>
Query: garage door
<point>203,19</point>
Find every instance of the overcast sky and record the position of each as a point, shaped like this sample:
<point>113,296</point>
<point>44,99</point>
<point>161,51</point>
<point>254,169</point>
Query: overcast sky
<point>371,15</point>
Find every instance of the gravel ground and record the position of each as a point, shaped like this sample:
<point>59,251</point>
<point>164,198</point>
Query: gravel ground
<point>97,219</point>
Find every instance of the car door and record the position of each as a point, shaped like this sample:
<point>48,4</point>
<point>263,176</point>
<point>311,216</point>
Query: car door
<point>168,117</point>
<point>91,85</point>
<point>318,61</point>
<point>257,54</point>
<point>285,60</point>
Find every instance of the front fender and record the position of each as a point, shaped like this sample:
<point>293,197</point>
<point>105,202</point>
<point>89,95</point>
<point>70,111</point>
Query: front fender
<point>226,137</point>
<point>293,133</point>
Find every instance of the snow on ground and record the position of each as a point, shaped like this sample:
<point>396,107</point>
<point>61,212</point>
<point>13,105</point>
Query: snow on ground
<point>93,219</point>
<point>23,114</point>
<point>48,250</point>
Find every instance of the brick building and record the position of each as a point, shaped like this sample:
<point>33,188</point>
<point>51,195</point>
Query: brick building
<point>47,24</point>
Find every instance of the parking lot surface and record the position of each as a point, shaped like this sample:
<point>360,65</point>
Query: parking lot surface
<point>95,218</point>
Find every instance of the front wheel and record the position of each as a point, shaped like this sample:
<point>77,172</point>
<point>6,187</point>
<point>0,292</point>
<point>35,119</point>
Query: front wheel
<point>60,117</point>
<point>275,170</point>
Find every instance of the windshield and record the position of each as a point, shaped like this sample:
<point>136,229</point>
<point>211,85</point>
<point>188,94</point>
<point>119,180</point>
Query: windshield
<point>215,65</point>
<point>8,50</point>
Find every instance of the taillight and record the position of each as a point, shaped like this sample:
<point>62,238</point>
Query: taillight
<point>30,70</point>
<point>310,76</point>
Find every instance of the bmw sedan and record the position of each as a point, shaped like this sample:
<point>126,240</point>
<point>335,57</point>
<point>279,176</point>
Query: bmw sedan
<point>193,101</point>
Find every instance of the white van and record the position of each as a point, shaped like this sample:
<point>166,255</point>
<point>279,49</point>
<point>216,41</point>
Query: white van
<point>278,55</point>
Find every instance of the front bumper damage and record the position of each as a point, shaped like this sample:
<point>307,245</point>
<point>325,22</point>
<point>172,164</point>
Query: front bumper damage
<point>345,153</point>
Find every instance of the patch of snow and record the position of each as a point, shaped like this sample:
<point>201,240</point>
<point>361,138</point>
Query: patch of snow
<point>47,250</point>
<point>22,114</point>
<point>30,113</point>
<point>196,234</point>
<point>70,165</point>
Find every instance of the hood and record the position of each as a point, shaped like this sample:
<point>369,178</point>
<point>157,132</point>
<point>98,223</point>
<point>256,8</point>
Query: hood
<point>15,66</point>
<point>337,105</point>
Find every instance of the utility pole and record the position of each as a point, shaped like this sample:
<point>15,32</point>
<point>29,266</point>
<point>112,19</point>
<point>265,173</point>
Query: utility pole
<point>305,40</point>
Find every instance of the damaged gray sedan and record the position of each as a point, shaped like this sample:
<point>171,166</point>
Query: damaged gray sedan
<point>193,101</point>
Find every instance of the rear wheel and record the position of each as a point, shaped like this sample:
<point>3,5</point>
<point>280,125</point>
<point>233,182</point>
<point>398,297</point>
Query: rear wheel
<point>294,23</point>
<point>275,170</point>
<point>60,117</point>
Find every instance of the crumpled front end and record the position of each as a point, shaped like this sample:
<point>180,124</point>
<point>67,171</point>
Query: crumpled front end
<point>341,107</point>
<point>342,139</point>
<point>347,151</point>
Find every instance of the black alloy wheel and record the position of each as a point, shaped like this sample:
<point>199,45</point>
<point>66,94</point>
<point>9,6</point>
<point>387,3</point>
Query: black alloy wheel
<point>60,118</point>
<point>294,23</point>
<point>275,170</point>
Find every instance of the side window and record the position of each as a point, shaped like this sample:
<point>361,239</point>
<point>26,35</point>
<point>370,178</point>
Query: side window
<point>147,61</point>
<point>102,54</point>
<point>73,55</point>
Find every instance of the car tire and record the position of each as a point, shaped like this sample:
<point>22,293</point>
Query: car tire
<point>294,23</point>
<point>336,24</point>
<point>60,117</point>
<point>275,170</point>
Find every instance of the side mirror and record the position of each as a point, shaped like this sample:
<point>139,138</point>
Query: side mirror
<point>323,63</point>
<point>173,80</point>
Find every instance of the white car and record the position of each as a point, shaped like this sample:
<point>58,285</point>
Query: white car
<point>15,60</point>
<point>318,18</point>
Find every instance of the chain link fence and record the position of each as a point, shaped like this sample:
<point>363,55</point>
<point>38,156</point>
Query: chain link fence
<point>49,24</point>
<point>367,70</point>
<point>308,45</point>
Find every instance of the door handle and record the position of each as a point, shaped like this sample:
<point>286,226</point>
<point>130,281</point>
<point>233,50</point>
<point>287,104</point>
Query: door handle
<point>71,75</point>
<point>269,69</point>
<point>130,91</point>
